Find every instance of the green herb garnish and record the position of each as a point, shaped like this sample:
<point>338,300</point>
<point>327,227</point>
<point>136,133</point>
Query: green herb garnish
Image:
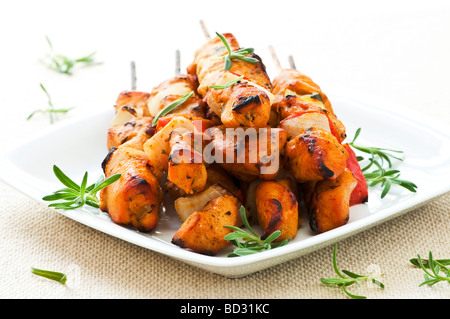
<point>238,55</point>
<point>231,83</point>
<point>63,64</point>
<point>74,195</point>
<point>252,243</point>
<point>436,266</point>
<point>50,109</point>
<point>169,108</point>
<point>352,278</point>
<point>53,275</point>
<point>380,158</point>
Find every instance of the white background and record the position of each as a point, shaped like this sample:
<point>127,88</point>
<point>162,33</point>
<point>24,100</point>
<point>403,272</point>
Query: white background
<point>398,50</point>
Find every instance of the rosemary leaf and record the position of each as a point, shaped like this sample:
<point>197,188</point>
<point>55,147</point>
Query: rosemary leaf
<point>436,266</point>
<point>352,278</point>
<point>74,195</point>
<point>169,108</point>
<point>50,109</point>
<point>251,243</point>
<point>382,174</point>
<point>63,64</point>
<point>231,83</point>
<point>240,54</point>
<point>53,275</point>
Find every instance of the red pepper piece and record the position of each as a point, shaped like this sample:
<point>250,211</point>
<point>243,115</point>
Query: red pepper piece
<point>360,194</point>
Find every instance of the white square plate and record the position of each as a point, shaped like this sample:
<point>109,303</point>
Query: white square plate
<point>79,144</point>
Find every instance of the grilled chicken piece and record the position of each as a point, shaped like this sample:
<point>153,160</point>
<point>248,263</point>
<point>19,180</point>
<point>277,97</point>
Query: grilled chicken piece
<point>172,149</point>
<point>133,101</point>
<point>277,208</point>
<point>173,89</point>
<point>186,205</point>
<point>329,207</point>
<point>119,134</point>
<point>203,231</point>
<point>246,154</point>
<point>295,81</point>
<point>314,155</point>
<point>212,48</point>
<point>135,198</point>
<point>132,117</point>
<point>244,104</point>
<point>241,105</point>
<point>186,169</point>
<point>157,148</point>
<point>216,175</point>
<point>293,105</point>
<point>295,92</point>
<point>301,121</point>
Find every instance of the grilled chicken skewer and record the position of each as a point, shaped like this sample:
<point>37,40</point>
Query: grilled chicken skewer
<point>313,151</point>
<point>360,193</point>
<point>132,115</point>
<point>246,104</point>
<point>177,145</point>
<point>171,150</point>
<point>314,131</point>
<point>217,206</point>
<point>239,107</point>
<point>135,199</point>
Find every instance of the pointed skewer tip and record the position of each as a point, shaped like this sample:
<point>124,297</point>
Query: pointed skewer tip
<point>133,76</point>
<point>275,58</point>
<point>177,62</point>
<point>205,30</point>
<point>291,62</point>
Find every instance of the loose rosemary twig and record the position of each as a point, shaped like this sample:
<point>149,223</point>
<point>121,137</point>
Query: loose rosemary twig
<point>53,275</point>
<point>252,243</point>
<point>74,195</point>
<point>380,158</point>
<point>352,278</point>
<point>64,64</point>
<point>436,266</point>
<point>50,109</point>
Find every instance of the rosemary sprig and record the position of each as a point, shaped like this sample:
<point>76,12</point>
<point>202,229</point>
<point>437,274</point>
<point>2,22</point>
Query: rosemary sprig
<point>252,243</point>
<point>382,174</point>
<point>53,275</point>
<point>64,64</point>
<point>74,195</point>
<point>238,55</point>
<point>436,266</point>
<point>50,109</point>
<point>169,108</point>
<point>231,83</point>
<point>352,278</point>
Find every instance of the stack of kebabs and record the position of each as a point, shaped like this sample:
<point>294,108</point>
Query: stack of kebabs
<point>158,156</point>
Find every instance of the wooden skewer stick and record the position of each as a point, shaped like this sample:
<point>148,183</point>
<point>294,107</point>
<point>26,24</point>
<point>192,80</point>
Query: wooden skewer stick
<point>205,30</point>
<point>275,59</point>
<point>291,62</point>
<point>133,76</point>
<point>177,62</point>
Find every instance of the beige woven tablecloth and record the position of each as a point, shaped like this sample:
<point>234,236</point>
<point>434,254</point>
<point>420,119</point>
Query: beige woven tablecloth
<point>397,50</point>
